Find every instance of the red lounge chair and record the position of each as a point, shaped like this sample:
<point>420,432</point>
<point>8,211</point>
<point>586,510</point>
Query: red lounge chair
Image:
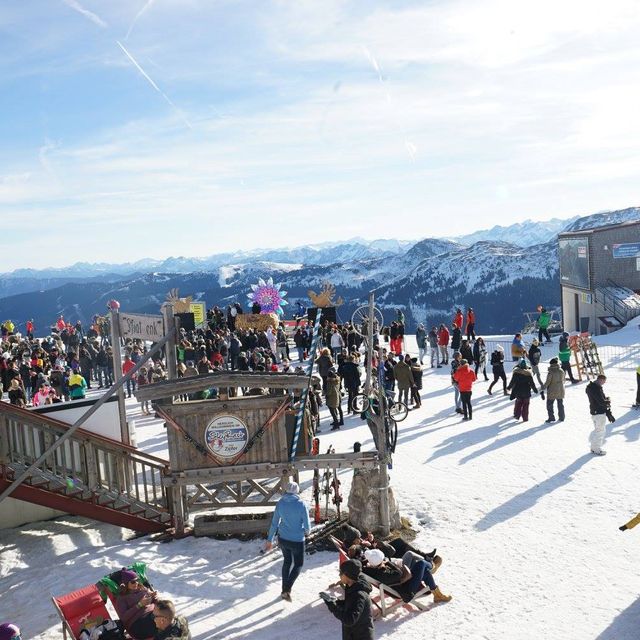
<point>80,609</point>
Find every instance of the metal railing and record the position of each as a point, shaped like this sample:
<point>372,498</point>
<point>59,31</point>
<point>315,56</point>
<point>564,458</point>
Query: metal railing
<point>615,306</point>
<point>85,460</point>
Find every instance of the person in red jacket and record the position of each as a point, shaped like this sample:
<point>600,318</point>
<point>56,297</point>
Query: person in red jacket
<point>465,378</point>
<point>471,324</point>
<point>458,319</point>
<point>443,345</point>
<point>127,365</point>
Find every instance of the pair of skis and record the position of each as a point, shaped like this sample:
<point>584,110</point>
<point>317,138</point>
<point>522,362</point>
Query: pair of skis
<point>331,485</point>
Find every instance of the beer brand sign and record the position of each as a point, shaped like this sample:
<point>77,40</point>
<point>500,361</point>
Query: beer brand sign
<point>226,436</point>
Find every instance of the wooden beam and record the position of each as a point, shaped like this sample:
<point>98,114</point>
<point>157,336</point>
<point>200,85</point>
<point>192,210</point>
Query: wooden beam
<point>193,384</point>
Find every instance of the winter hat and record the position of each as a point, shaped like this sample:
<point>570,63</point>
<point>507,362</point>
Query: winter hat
<point>292,487</point>
<point>128,575</point>
<point>350,535</point>
<point>463,362</point>
<point>553,361</point>
<point>8,630</point>
<point>499,348</point>
<point>351,568</point>
<point>374,557</point>
<point>522,364</point>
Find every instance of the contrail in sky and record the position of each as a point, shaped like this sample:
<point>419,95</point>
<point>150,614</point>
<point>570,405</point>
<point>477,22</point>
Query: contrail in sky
<point>133,24</point>
<point>152,83</point>
<point>76,6</point>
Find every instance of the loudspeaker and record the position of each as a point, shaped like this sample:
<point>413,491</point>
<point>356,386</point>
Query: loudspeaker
<point>328,313</point>
<point>187,321</point>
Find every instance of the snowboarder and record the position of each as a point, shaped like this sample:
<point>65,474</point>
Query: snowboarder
<point>521,386</point>
<point>291,522</point>
<point>354,611</point>
<point>554,385</point>
<point>497,366</point>
<point>543,324</point>
<point>600,409</point>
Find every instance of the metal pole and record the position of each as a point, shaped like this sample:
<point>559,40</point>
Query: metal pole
<point>117,373</point>
<point>84,417</point>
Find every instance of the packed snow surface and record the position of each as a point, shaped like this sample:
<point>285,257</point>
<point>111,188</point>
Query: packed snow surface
<point>524,516</point>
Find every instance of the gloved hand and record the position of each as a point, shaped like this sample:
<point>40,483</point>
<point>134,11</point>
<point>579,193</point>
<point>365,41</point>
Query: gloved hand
<point>610,417</point>
<point>542,394</point>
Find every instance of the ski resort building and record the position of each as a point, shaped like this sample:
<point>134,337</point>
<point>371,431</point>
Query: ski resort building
<point>600,277</point>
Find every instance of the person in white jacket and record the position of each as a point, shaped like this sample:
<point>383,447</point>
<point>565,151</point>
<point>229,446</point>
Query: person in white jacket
<point>337,343</point>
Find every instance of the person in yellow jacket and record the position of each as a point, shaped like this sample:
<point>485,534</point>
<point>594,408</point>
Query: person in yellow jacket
<point>632,523</point>
<point>77,386</point>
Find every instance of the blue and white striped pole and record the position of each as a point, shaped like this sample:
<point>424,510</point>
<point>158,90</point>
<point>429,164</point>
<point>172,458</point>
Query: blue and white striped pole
<point>305,392</point>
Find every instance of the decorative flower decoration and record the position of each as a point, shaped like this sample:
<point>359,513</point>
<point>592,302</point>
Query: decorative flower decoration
<point>269,296</point>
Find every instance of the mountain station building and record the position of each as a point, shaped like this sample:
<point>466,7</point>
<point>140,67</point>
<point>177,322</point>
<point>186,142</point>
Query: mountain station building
<point>600,277</point>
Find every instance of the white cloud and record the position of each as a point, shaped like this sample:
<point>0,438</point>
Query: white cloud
<point>76,6</point>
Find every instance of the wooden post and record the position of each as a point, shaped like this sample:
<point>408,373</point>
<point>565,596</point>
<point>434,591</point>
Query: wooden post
<point>170,351</point>
<point>117,372</point>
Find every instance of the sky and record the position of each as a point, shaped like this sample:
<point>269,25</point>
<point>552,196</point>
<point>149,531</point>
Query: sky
<point>151,128</point>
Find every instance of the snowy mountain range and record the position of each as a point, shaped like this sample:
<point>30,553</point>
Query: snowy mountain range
<point>427,279</point>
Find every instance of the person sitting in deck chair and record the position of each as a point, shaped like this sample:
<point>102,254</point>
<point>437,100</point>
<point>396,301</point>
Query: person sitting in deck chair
<point>135,605</point>
<point>405,575</point>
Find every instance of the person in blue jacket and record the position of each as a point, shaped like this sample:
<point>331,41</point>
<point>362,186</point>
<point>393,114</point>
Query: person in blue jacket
<point>291,522</point>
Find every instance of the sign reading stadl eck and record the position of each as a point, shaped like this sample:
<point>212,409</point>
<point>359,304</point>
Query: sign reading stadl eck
<point>133,325</point>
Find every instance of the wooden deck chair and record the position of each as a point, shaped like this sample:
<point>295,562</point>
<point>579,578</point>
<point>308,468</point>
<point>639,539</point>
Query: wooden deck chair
<point>387,598</point>
<point>80,609</point>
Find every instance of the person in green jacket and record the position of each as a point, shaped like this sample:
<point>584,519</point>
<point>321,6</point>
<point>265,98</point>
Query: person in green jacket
<point>564,355</point>
<point>543,324</point>
<point>77,386</point>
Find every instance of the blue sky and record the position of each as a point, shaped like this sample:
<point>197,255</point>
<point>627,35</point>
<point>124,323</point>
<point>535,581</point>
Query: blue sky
<point>149,128</point>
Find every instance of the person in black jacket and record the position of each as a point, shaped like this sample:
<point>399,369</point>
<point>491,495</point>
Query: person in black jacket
<point>521,385</point>
<point>354,612</point>
<point>600,409</point>
<point>497,365</point>
<point>351,379</point>
<point>456,338</point>
<point>534,359</point>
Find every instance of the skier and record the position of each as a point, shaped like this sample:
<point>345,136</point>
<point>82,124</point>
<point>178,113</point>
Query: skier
<point>354,611</point>
<point>600,409</point>
<point>521,384</point>
<point>554,384</point>
<point>543,324</point>
<point>443,344</point>
<point>465,379</point>
<point>421,341</point>
<point>480,357</point>
<point>471,324</point>
<point>291,522</point>
<point>433,347</point>
<point>497,366</point>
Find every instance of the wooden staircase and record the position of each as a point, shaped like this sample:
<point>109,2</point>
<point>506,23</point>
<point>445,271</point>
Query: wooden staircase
<point>88,475</point>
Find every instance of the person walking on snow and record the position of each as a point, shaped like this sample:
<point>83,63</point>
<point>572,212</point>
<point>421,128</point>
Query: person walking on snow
<point>600,409</point>
<point>433,347</point>
<point>471,324</point>
<point>421,341</point>
<point>543,324</point>
<point>480,357</point>
<point>455,363</point>
<point>564,355</point>
<point>497,366</point>
<point>465,379</point>
<point>554,385</point>
<point>521,386</point>
<point>291,522</point>
<point>534,359</point>
<point>443,345</point>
